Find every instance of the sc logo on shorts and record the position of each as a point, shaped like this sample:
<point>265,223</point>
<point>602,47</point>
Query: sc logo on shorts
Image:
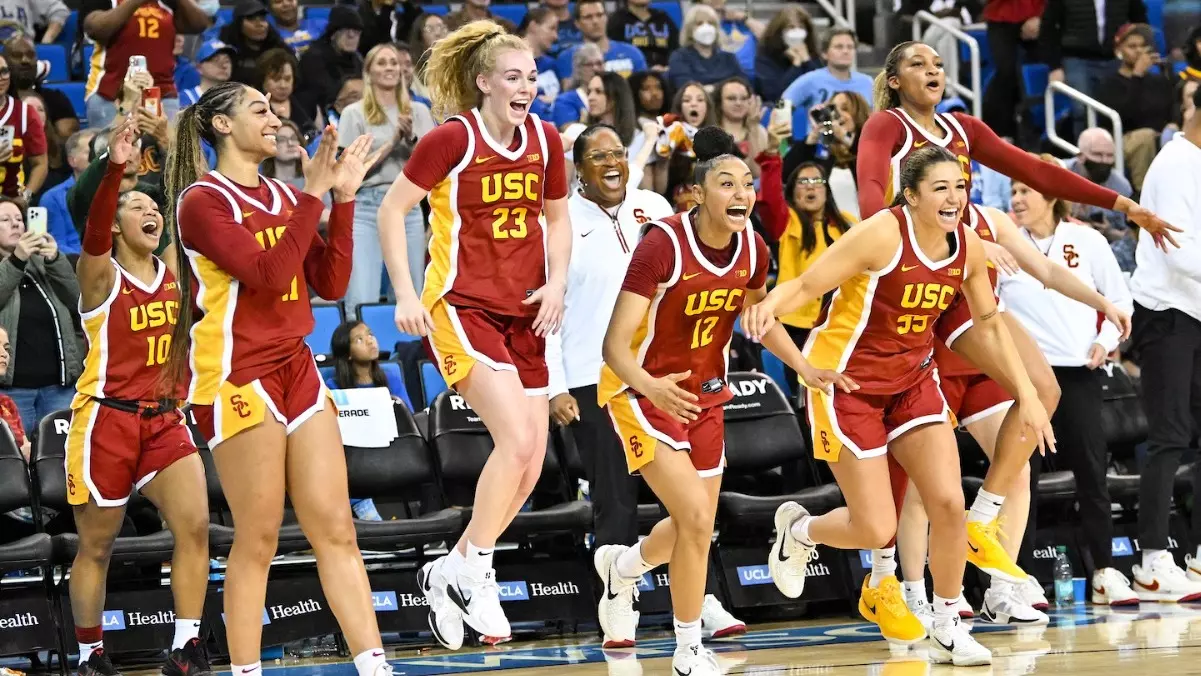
<point>825,442</point>
<point>449,365</point>
<point>240,405</point>
<point>635,446</point>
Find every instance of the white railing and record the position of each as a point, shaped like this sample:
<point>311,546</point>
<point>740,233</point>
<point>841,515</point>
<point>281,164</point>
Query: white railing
<point>1091,108</point>
<point>974,95</point>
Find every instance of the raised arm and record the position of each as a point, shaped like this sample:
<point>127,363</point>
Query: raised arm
<point>327,265</point>
<point>879,137</point>
<point>95,269</point>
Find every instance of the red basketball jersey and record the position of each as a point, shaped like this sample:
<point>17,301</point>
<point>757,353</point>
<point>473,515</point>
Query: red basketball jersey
<point>150,32</point>
<point>690,321</point>
<point>129,339</point>
<point>241,329</point>
<point>949,363</point>
<point>954,140</point>
<point>879,327</point>
<point>29,139</point>
<point>488,243</point>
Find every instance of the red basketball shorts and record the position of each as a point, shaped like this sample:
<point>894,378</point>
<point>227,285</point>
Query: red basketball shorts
<point>641,427</point>
<point>465,336</point>
<point>974,396</point>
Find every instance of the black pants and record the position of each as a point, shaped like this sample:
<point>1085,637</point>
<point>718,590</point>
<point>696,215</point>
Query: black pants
<point>1167,345</point>
<point>1082,447</point>
<point>1004,94</point>
<point>799,336</point>
<point>613,491</point>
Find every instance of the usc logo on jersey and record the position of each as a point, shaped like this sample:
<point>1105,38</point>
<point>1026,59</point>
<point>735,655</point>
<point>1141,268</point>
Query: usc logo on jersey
<point>511,186</point>
<point>712,300</point>
<point>152,315</point>
<point>927,296</point>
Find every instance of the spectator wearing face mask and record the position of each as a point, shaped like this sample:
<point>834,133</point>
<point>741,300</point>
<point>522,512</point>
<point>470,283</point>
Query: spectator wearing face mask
<point>330,59</point>
<point>22,58</point>
<point>58,217</point>
<point>214,63</point>
<point>296,31</point>
<point>699,59</point>
<point>647,28</point>
<point>788,50</point>
<point>1095,162</point>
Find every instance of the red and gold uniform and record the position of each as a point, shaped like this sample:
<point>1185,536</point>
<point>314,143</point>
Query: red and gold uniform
<point>150,32</point>
<point>696,294</point>
<point>124,427</point>
<point>488,243</point>
<point>879,330</point>
<point>254,252</point>
<point>970,394</point>
<point>29,140</point>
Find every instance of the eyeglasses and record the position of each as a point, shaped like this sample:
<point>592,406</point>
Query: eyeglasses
<point>811,181</point>
<point>600,156</point>
<point>5,71</point>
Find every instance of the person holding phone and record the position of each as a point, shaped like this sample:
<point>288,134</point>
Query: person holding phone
<point>833,143</point>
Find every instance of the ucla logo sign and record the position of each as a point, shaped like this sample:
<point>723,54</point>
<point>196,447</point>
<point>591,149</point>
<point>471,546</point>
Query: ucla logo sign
<point>752,575</point>
<point>645,583</point>
<point>384,601</point>
<point>865,558</point>
<point>114,620</point>
<point>1121,547</point>
<point>514,591</point>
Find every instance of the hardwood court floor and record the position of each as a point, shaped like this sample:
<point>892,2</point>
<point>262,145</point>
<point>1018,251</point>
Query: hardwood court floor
<point>1156,640</point>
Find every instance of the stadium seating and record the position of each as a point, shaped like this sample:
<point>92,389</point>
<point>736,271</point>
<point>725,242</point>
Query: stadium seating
<point>673,10</point>
<point>317,13</point>
<point>514,13</point>
<point>650,511</point>
<point>432,383</point>
<point>326,318</point>
<point>1035,79</point>
<point>56,55</point>
<point>74,92</point>
<point>381,319</point>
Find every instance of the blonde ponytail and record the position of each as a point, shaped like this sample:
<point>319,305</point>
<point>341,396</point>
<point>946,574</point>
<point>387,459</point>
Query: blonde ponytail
<point>457,59</point>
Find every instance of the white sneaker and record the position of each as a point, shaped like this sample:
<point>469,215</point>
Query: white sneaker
<point>950,643</point>
<point>479,601</point>
<point>618,619</point>
<point>1032,594</point>
<point>1194,568</point>
<point>1003,605</point>
<point>445,618</point>
<point>965,610</point>
<point>717,622</point>
<point>1111,588</point>
<point>922,610</point>
<point>1163,580</point>
<point>694,660</point>
<point>789,557</point>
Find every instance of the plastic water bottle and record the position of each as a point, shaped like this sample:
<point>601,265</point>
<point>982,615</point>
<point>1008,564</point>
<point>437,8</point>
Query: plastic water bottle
<point>1065,592</point>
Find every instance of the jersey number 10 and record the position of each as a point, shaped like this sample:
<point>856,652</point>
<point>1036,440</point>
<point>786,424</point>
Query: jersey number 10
<point>269,238</point>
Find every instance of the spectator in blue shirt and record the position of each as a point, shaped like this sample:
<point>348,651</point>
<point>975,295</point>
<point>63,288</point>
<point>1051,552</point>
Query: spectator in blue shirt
<point>699,59</point>
<point>816,87</point>
<point>355,353</point>
<point>297,32</point>
<point>186,75</point>
<point>214,61</point>
<point>540,28</point>
<point>569,34</point>
<point>620,57</point>
<point>740,34</point>
<point>58,217</point>
<point>570,106</point>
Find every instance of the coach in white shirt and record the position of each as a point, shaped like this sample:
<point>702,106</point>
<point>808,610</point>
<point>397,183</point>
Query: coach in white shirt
<point>1067,332</point>
<point>1167,346</point>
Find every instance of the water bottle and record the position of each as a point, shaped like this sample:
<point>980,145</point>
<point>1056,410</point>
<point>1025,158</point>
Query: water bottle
<point>1065,591</point>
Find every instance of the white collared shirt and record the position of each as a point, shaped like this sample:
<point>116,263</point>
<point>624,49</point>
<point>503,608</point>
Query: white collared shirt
<point>1172,189</point>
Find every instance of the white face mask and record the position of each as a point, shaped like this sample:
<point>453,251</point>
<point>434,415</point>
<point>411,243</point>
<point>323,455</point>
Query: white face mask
<point>795,37</point>
<point>705,34</point>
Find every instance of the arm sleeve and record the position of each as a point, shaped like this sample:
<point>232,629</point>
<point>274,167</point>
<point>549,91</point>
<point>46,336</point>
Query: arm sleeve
<point>98,232</point>
<point>990,149</point>
<point>81,195</point>
<point>436,154</point>
<point>327,265</point>
<point>763,259</point>
<point>880,135</point>
<point>651,265</point>
<point>556,172</point>
<point>773,209</point>
<point>34,136</point>
<point>1110,282</point>
<point>207,226</point>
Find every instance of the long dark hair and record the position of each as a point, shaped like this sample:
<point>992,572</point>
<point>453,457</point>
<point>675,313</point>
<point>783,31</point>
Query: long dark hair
<point>832,217</point>
<point>617,91</point>
<point>185,165</point>
<point>339,346</point>
<point>917,166</point>
<point>637,79</point>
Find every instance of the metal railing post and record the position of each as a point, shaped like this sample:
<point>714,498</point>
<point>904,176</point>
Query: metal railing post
<point>974,93</point>
<point>1092,107</point>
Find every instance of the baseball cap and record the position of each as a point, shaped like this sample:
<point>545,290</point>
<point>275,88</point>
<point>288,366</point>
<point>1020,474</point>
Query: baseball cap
<point>212,48</point>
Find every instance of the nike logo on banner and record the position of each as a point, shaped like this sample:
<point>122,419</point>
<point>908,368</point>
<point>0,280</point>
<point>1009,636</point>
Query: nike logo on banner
<point>688,277</point>
<point>907,268</point>
<point>481,160</point>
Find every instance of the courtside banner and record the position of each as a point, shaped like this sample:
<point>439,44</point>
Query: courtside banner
<point>295,609</point>
<point>26,623</point>
<point>545,590</point>
<point>133,620</point>
<point>654,589</point>
<point>750,583</point>
<point>1128,552</point>
<point>400,606</point>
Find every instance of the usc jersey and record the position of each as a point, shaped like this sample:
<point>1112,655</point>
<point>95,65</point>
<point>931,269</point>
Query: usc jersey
<point>488,238</point>
<point>879,326</point>
<point>129,339</point>
<point>959,319</point>
<point>954,141</point>
<point>696,295</point>
<point>150,32</point>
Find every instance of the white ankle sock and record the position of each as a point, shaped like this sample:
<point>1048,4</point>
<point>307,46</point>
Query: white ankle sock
<point>452,563</point>
<point>944,609</point>
<point>367,661</point>
<point>255,669</point>
<point>631,565</point>
<point>1149,556</point>
<point>688,634</point>
<point>915,590</point>
<point>800,531</point>
<point>185,630</point>
<point>986,507</point>
<point>479,560</point>
<point>86,650</point>
<point>884,565</point>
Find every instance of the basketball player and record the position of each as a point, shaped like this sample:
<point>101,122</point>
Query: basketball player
<point>896,273</point>
<point>125,430</point>
<point>254,252</point>
<point>494,288</point>
<point>907,92</point>
<point>664,382</point>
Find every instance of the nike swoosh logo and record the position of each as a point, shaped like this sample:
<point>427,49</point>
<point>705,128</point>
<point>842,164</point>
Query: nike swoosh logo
<point>456,595</point>
<point>949,603</point>
<point>377,654</point>
<point>609,585</point>
<point>1099,591</point>
<point>247,214</point>
<point>919,144</point>
<point>974,548</point>
<point>1154,586</point>
<point>126,290</point>
<point>588,233</point>
<point>907,268</point>
<point>781,555</point>
<point>248,670</point>
<point>481,160</point>
<point>944,646</point>
<point>688,277</point>
<point>484,553</point>
<point>871,609</point>
<point>683,673</point>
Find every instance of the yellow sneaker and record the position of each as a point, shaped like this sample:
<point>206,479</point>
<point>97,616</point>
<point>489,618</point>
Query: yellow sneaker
<point>885,607</point>
<point>985,552</point>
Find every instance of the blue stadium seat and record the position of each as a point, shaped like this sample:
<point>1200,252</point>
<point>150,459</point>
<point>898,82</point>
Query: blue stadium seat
<point>326,318</point>
<point>774,368</point>
<point>673,10</point>
<point>1155,20</point>
<point>432,383</point>
<point>514,13</point>
<point>225,15</point>
<point>440,10</point>
<point>1035,77</point>
<point>318,13</point>
<point>57,56</point>
<point>70,29</point>
<point>379,317</point>
<point>74,92</point>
